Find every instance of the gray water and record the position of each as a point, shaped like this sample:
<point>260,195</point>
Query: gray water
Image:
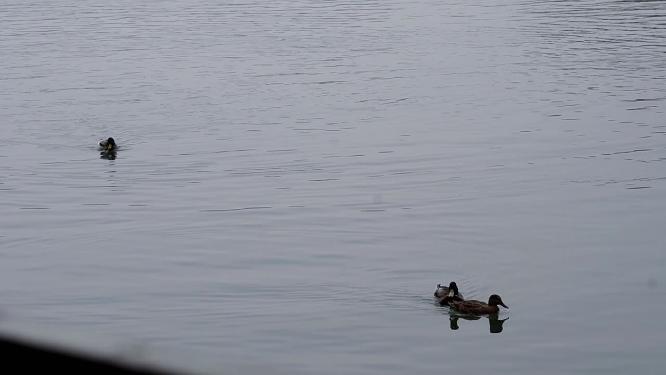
<point>295,177</point>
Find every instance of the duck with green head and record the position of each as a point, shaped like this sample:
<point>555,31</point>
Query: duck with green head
<point>447,294</point>
<point>478,307</point>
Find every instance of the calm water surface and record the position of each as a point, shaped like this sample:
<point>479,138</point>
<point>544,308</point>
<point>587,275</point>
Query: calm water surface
<point>295,177</point>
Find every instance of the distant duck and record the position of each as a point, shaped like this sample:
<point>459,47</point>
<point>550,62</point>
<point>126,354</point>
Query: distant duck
<point>478,307</point>
<point>445,295</point>
<point>108,145</point>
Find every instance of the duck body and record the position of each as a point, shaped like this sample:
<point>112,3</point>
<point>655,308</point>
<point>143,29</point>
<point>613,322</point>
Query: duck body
<point>445,295</point>
<point>477,307</point>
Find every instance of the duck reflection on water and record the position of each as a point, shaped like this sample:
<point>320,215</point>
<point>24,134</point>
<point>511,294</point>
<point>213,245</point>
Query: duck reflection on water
<point>496,324</point>
<point>109,155</point>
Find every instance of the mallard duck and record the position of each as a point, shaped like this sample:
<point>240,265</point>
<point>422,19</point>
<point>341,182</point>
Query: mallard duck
<point>107,145</point>
<point>446,295</point>
<point>478,307</point>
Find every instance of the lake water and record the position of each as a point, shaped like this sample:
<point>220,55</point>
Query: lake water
<point>295,177</point>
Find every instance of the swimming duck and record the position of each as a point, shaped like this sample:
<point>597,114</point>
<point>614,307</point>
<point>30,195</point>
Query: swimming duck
<point>108,145</point>
<point>478,307</point>
<point>446,295</point>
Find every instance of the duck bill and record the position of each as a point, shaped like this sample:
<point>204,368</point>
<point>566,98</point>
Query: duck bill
<point>502,304</point>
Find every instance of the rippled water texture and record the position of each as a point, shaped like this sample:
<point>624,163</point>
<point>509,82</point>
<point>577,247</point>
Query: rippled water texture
<point>295,177</point>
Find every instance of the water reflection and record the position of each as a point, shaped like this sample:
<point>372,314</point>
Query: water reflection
<point>108,155</point>
<point>496,324</point>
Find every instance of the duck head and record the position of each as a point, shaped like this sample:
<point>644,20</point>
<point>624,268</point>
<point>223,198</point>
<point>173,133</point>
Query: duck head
<point>453,289</point>
<point>496,300</point>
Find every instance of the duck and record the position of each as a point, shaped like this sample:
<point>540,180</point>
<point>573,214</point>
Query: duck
<point>108,145</point>
<point>477,307</point>
<point>448,294</point>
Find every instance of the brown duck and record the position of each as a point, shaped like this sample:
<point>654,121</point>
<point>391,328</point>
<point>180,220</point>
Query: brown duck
<point>478,307</point>
<point>446,295</point>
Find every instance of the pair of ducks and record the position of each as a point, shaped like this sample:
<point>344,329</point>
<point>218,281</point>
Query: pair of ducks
<point>450,296</point>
